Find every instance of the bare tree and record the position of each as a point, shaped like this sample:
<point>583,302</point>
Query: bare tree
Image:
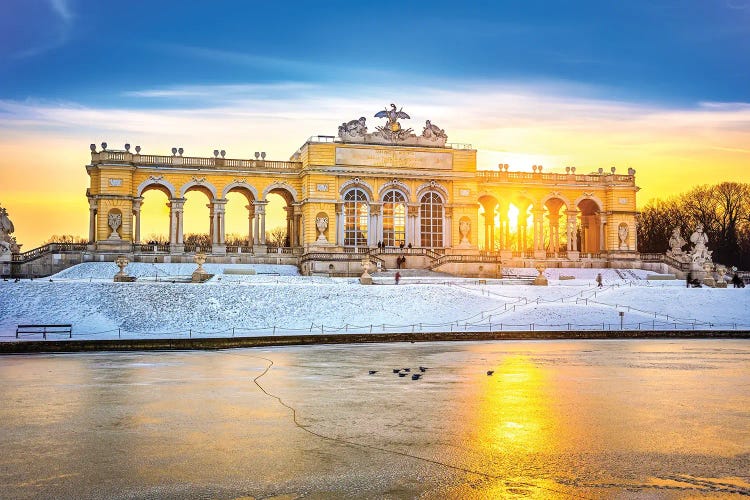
<point>277,237</point>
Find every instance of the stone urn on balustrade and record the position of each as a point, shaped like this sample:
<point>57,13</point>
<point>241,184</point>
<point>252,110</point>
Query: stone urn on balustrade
<point>200,275</point>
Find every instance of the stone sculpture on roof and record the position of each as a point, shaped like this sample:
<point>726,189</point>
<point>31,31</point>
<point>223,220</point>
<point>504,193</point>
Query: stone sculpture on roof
<point>392,133</point>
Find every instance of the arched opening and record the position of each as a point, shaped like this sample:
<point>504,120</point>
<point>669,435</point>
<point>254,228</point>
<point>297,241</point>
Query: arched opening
<point>239,214</point>
<point>431,220</point>
<point>154,215</point>
<point>489,213</point>
<point>590,230</point>
<point>281,228</point>
<point>394,218</point>
<point>520,218</point>
<point>198,217</point>
<point>356,218</point>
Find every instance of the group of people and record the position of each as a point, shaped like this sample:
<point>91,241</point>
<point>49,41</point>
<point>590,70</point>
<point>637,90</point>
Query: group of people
<point>401,262</point>
<point>382,245</point>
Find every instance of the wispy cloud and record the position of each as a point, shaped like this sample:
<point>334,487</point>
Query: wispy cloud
<point>60,33</point>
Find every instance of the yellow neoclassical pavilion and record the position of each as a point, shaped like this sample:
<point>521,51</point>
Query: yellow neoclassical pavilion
<point>381,193</point>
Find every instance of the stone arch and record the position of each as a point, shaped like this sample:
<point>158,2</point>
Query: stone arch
<point>591,197</point>
<point>159,183</point>
<point>201,185</point>
<point>242,187</point>
<point>435,187</point>
<point>591,220</point>
<point>396,185</point>
<point>284,190</point>
<point>558,196</point>
<point>357,183</point>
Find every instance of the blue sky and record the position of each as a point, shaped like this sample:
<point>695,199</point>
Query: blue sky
<point>98,53</point>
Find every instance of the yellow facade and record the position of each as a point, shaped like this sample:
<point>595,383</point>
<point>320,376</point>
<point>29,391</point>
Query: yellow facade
<point>443,202</point>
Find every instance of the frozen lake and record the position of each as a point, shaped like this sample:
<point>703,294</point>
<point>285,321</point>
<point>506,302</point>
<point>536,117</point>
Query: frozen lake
<point>582,419</point>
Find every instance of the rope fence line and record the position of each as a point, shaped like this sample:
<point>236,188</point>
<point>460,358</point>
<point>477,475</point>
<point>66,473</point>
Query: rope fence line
<point>455,327</point>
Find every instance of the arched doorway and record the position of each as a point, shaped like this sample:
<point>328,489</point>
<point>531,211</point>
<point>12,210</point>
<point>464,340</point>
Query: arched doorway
<point>431,220</point>
<point>356,218</point>
<point>590,234</point>
<point>152,215</point>
<point>240,216</point>
<point>394,218</point>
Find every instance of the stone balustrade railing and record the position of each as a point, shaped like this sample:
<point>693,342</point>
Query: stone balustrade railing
<point>103,157</point>
<point>505,176</point>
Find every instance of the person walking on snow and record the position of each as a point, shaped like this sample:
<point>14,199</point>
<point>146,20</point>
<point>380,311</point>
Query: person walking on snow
<point>398,277</point>
<point>599,280</point>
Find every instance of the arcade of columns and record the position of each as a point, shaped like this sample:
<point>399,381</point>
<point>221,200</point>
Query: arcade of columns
<point>438,189</point>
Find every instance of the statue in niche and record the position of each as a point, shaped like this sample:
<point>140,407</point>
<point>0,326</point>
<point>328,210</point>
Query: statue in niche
<point>353,128</point>
<point>676,242</point>
<point>700,252</point>
<point>464,227</point>
<point>622,233</point>
<point>8,243</point>
<point>115,221</point>
<point>321,223</point>
<point>433,132</point>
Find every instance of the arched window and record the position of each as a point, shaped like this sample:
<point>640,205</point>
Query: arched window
<point>431,220</point>
<point>394,218</point>
<point>356,218</point>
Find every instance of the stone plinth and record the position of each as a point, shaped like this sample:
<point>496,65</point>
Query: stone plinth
<point>125,279</point>
<point>114,246</point>
<point>200,276</point>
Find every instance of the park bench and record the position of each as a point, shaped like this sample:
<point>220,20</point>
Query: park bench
<point>44,330</point>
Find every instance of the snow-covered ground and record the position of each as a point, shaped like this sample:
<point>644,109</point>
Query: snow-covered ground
<point>276,300</point>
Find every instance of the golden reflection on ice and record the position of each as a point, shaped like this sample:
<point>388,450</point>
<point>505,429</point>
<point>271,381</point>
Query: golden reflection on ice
<point>513,413</point>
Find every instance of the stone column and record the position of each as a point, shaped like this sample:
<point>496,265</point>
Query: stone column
<point>521,234</point>
<point>415,238</point>
<point>260,230</point>
<point>340,221</point>
<point>212,225</point>
<point>448,236</point>
<point>219,238</point>
<point>602,222</point>
<point>374,231</point>
<point>250,217</point>
<point>92,220</point>
<point>137,202</point>
<point>539,251</point>
<point>288,210</point>
<point>296,224</point>
<point>572,227</point>
<point>176,242</point>
<point>554,231</point>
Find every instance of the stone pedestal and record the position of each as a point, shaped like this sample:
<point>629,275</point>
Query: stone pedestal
<point>200,275</point>
<point>114,246</point>
<point>176,249</point>
<point>122,276</point>
<point>219,249</point>
<point>540,280</point>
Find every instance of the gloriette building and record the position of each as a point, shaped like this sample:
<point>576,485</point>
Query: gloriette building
<point>374,192</point>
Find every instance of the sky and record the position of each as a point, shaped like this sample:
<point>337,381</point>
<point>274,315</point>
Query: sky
<point>659,86</point>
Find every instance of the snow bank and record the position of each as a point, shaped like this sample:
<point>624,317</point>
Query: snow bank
<point>286,303</point>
